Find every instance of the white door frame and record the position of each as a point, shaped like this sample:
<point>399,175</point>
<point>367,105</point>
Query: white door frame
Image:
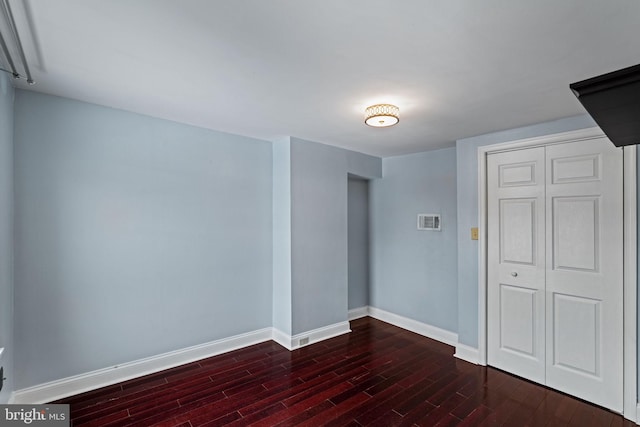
<point>630,360</point>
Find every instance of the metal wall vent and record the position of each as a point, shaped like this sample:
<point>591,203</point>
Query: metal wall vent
<point>430,222</point>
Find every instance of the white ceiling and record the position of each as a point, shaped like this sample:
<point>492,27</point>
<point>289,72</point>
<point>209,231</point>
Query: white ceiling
<point>271,68</point>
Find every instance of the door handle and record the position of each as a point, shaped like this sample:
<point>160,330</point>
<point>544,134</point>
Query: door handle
<point>514,274</point>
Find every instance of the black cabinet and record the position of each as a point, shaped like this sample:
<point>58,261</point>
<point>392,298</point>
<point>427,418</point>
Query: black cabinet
<point>613,100</point>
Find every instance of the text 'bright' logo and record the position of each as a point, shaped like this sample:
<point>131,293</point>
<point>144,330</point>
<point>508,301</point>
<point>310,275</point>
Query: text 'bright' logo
<point>27,416</point>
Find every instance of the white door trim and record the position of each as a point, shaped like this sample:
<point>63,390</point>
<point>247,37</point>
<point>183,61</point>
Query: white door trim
<point>630,360</point>
<point>630,365</point>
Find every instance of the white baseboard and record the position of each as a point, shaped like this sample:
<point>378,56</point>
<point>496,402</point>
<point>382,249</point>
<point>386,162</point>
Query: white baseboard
<point>281,338</point>
<point>357,313</point>
<point>293,342</point>
<point>637,414</point>
<point>81,383</point>
<point>433,332</point>
<point>70,386</point>
<point>467,353</point>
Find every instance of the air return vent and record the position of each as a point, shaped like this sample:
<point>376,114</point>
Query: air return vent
<point>430,222</point>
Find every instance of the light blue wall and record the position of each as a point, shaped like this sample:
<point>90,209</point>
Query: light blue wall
<point>282,235</point>
<point>134,236</point>
<point>363,165</point>
<point>319,255</point>
<point>358,242</point>
<point>415,272</point>
<point>6,234</point>
<point>467,190</point>
<point>319,235</point>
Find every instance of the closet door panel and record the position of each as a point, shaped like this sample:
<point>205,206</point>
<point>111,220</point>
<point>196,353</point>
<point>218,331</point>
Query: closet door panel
<point>584,280</point>
<point>516,262</point>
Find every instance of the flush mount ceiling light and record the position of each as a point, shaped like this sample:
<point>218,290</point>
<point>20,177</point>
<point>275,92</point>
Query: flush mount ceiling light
<point>382,115</point>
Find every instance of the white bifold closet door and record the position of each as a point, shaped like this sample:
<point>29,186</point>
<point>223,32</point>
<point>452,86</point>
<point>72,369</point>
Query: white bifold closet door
<point>555,267</point>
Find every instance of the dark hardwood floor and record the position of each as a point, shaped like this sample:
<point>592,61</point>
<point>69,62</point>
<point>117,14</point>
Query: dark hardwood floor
<point>379,375</point>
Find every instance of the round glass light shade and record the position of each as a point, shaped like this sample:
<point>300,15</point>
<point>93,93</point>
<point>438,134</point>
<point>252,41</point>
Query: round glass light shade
<point>382,115</point>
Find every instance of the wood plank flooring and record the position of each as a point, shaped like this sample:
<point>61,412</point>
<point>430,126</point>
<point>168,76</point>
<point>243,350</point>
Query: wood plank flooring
<point>378,375</point>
